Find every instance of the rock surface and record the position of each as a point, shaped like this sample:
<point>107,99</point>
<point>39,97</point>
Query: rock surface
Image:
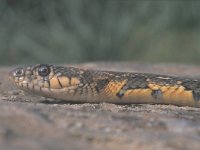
<point>32,122</point>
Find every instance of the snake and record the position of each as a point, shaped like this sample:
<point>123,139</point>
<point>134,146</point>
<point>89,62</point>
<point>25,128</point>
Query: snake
<point>73,84</point>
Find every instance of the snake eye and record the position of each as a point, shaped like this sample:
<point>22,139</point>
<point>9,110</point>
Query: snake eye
<point>44,70</point>
<point>18,72</point>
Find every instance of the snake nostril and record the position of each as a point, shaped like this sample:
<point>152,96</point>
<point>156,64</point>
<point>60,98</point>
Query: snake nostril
<point>18,72</point>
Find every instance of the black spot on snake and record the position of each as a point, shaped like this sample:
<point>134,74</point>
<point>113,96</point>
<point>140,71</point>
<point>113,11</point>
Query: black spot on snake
<point>156,94</point>
<point>196,94</point>
<point>101,84</point>
<point>120,94</point>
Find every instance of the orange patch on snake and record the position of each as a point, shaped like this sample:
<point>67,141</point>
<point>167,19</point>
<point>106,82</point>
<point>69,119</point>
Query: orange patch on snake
<point>75,81</point>
<point>170,94</point>
<point>138,94</point>
<point>173,92</point>
<point>177,93</point>
<point>187,95</point>
<point>114,87</point>
<point>64,81</point>
<point>164,88</point>
<point>154,86</point>
<point>180,90</point>
<point>54,83</point>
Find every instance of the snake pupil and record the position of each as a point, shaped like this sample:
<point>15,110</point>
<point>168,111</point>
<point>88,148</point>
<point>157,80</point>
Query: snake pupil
<point>43,70</point>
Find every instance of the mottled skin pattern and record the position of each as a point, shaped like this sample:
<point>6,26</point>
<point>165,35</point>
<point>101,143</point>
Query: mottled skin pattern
<point>79,85</point>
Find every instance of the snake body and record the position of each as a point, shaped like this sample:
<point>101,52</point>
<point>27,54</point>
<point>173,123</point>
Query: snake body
<point>82,85</point>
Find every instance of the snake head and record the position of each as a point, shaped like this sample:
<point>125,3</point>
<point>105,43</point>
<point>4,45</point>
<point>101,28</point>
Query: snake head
<point>47,80</point>
<point>32,77</point>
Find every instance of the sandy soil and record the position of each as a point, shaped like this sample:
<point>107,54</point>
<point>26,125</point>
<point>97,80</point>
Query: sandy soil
<point>32,122</point>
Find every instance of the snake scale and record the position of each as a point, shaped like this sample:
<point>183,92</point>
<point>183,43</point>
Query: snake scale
<point>82,85</point>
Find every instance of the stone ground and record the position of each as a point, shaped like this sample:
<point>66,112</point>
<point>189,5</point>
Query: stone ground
<point>32,122</point>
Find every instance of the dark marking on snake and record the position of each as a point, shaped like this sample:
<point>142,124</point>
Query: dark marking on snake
<point>59,83</point>
<point>156,94</point>
<point>101,84</point>
<point>120,94</point>
<point>133,83</point>
<point>137,82</point>
<point>196,94</point>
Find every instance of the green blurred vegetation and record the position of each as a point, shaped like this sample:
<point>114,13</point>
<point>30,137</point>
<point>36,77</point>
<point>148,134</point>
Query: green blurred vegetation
<point>65,31</point>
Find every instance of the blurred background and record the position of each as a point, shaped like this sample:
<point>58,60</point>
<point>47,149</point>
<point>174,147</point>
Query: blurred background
<point>74,31</point>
